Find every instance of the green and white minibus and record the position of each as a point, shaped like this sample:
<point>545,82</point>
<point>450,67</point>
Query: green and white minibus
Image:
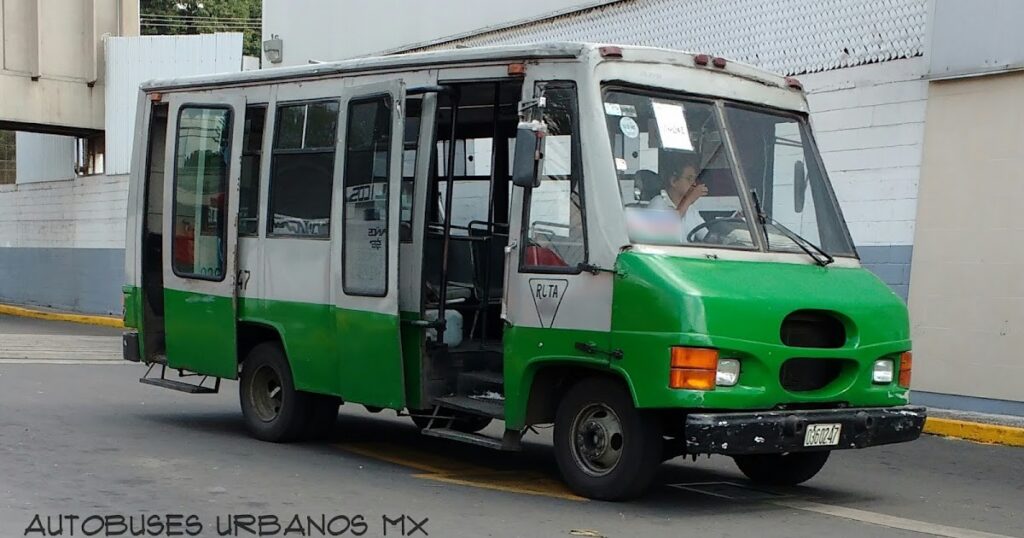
<point>639,246</point>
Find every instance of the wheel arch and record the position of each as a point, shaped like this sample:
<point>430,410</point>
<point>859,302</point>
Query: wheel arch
<point>548,380</point>
<point>254,333</point>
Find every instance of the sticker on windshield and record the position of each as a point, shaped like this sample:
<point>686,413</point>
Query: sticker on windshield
<point>628,110</point>
<point>612,109</point>
<point>672,127</point>
<point>629,127</point>
<point>620,164</point>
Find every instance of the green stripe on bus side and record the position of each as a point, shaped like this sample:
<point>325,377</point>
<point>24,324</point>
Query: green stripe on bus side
<point>199,331</point>
<point>132,300</point>
<point>348,353</point>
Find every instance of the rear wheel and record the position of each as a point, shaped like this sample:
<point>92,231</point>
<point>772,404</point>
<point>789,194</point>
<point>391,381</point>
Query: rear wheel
<point>782,469</point>
<point>605,447</point>
<point>273,410</point>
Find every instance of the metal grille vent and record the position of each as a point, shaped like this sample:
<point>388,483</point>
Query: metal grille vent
<point>785,36</point>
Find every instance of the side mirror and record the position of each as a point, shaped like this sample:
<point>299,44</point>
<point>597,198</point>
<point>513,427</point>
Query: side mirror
<point>529,152</point>
<point>799,186</point>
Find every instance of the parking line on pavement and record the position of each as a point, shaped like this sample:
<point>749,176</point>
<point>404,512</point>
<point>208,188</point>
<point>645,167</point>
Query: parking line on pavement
<point>441,469</point>
<point>885,520</point>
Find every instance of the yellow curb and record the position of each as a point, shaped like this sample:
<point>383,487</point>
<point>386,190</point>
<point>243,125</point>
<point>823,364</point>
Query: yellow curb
<point>975,431</point>
<point>105,321</point>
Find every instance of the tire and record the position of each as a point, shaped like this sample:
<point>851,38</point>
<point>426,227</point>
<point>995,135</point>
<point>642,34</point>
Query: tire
<point>595,460</point>
<point>273,410</point>
<point>782,469</point>
<point>323,414</point>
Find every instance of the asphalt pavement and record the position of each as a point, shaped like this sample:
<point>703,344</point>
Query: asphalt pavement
<point>85,439</point>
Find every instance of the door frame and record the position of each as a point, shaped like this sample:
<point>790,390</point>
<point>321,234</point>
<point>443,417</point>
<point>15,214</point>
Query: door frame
<point>211,308</point>
<point>371,364</point>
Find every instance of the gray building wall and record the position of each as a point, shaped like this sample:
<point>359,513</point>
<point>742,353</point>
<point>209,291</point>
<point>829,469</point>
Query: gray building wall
<point>76,279</point>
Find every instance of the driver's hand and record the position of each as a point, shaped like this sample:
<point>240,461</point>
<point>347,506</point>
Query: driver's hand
<point>696,191</point>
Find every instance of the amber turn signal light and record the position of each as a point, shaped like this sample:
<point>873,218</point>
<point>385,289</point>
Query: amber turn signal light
<point>684,378</point>
<point>699,358</point>
<point>693,368</point>
<point>906,361</point>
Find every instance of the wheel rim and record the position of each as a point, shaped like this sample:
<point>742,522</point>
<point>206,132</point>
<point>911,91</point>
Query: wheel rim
<point>597,439</point>
<point>266,394</point>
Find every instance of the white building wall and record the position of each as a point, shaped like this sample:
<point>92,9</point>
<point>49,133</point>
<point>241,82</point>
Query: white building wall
<point>87,212</point>
<point>43,157</point>
<point>869,122</point>
<point>62,243</point>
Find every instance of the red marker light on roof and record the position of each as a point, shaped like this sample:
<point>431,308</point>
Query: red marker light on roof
<point>516,70</point>
<point>794,83</point>
<point>701,59</point>
<point>610,52</point>
<point>718,62</point>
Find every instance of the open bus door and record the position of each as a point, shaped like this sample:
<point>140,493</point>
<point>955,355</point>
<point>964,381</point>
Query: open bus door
<point>200,239</point>
<point>365,283</point>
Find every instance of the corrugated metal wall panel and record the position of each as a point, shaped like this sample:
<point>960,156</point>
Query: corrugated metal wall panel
<point>785,36</point>
<point>133,60</point>
<point>44,157</point>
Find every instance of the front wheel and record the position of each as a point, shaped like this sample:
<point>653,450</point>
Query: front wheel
<point>782,469</point>
<point>606,448</point>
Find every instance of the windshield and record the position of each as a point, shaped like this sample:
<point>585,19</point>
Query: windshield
<point>780,164</point>
<point>676,181</point>
<point>679,185</point>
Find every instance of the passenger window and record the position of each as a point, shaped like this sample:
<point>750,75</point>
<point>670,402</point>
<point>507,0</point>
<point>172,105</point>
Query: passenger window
<point>367,160</point>
<point>555,238</point>
<point>302,169</point>
<point>201,167</point>
<point>410,144</point>
<point>249,183</point>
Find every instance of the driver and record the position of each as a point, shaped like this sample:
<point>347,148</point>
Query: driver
<point>678,171</point>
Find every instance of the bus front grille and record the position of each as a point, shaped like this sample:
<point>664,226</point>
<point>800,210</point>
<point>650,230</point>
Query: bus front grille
<point>802,375</point>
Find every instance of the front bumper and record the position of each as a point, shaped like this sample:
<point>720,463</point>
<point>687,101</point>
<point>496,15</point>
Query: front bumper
<point>773,432</point>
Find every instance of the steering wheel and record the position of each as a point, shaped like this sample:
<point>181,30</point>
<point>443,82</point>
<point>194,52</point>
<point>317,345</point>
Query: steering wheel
<point>691,237</point>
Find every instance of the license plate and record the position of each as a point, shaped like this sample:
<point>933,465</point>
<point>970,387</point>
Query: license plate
<point>822,434</point>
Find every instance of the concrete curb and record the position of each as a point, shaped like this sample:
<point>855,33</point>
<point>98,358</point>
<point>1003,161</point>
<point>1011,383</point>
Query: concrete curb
<point>975,431</point>
<point>105,321</point>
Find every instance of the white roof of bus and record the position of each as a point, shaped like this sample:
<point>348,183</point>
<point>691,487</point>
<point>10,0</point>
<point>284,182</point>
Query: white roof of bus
<point>417,60</point>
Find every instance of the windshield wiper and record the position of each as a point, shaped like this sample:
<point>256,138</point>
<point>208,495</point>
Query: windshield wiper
<point>816,253</point>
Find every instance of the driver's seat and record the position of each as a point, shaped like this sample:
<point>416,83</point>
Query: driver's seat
<point>648,183</point>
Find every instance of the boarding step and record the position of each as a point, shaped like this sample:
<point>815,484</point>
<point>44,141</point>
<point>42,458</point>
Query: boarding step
<point>481,382</point>
<point>509,442</point>
<point>181,386</point>
<point>489,407</point>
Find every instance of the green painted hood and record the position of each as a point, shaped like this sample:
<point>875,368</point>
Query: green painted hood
<point>738,307</point>
<point>748,301</point>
